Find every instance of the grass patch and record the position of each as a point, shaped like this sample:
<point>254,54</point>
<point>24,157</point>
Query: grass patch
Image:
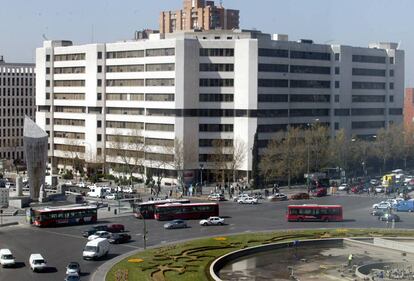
<point>190,261</point>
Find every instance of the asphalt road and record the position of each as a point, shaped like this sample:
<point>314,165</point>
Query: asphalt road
<point>61,245</point>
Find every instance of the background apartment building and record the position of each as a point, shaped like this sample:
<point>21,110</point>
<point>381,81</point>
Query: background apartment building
<point>17,99</point>
<point>187,91</point>
<point>200,15</point>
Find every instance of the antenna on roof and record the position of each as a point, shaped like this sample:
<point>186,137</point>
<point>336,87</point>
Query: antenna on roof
<point>399,45</point>
<point>44,37</point>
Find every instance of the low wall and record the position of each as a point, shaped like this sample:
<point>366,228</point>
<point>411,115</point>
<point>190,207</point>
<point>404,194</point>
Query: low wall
<point>395,245</point>
<point>219,263</point>
<point>19,202</point>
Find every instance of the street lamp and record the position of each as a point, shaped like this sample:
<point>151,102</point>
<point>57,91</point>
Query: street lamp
<point>201,178</point>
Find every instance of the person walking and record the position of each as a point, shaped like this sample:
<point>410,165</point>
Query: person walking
<point>350,258</point>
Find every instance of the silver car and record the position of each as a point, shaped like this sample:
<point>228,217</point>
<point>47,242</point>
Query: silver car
<point>175,224</point>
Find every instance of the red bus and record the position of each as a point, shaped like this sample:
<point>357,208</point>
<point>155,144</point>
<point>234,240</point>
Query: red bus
<point>186,211</point>
<point>315,212</point>
<point>67,215</point>
<point>146,209</point>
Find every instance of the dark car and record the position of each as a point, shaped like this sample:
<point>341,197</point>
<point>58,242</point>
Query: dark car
<point>115,228</point>
<point>119,238</point>
<point>377,212</point>
<point>175,224</point>
<point>389,217</point>
<point>319,192</point>
<point>298,196</point>
<point>94,229</point>
<point>72,278</point>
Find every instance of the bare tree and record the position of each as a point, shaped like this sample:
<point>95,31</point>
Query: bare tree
<point>239,151</point>
<point>185,157</point>
<point>219,159</point>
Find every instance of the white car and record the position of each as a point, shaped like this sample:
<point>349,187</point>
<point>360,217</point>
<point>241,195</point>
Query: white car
<point>343,187</point>
<point>99,234</point>
<point>111,196</point>
<point>37,262</point>
<point>379,189</point>
<point>241,196</point>
<point>382,205</point>
<point>212,221</point>
<point>6,258</point>
<point>247,200</point>
<point>127,190</point>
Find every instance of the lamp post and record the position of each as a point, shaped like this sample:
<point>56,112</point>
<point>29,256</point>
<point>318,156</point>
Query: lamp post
<point>201,174</point>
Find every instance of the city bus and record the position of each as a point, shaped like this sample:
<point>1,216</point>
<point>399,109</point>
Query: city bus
<point>67,215</point>
<point>146,210</point>
<point>315,212</point>
<point>186,211</point>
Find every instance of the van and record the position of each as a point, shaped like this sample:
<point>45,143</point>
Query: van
<point>37,262</point>
<point>6,258</point>
<point>96,249</point>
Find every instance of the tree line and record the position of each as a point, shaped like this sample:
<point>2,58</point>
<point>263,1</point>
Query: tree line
<point>302,150</point>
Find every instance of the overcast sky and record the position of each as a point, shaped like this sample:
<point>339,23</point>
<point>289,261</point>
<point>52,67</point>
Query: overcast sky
<point>24,23</point>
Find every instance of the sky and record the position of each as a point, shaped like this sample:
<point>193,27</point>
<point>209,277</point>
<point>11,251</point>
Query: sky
<point>25,23</point>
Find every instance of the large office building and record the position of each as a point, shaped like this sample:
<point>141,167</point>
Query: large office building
<point>17,100</point>
<point>204,88</point>
<point>201,15</point>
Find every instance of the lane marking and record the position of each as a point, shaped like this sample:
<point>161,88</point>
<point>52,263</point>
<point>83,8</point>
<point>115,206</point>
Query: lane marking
<point>60,234</point>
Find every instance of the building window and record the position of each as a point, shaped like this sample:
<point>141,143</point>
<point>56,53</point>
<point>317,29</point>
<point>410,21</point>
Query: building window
<point>99,55</point>
<point>99,96</point>
<point>310,69</point>
<point>47,83</point>
<point>47,121</point>
<point>336,98</point>
<point>99,137</point>
<point>368,72</point>
<point>391,60</point>
<point>99,151</point>
<point>392,72</point>
<point>99,68</point>
<point>391,98</point>
<point>368,59</point>
<point>279,53</point>
<point>337,56</point>
<point>99,124</point>
<point>99,82</point>
<point>391,86</point>
<point>309,55</point>
<point>368,85</point>
<point>310,84</point>
<point>47,70</point>
<point>336,126</point>
<point>47,96</point>
<point>336,84</point>
<point>336,70</point>
<point>47,57</point>
<point>217,52</point>
<point>273,83</point>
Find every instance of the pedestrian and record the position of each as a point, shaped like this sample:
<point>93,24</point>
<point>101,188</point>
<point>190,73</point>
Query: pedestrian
<point>350,258</point>
<point>375,192</point>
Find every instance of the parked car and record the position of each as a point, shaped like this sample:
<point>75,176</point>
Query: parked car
<point>6,258</point>
<point>343,187</point>
<point>212,221</point>
<point>277,197</point>
<point>115,228</point>
<point>37,262</point>
<point>73,268</point>
<point>298,196</point>
<point>99,234</point>
<point>216,197</point>
<point>111,196</point>
<point>175,224</point>
<point>248,200</point>
<point>389,217</point>
<point>374,182</point>
<point>94,229</point>
<point>72,278</point>
<point>10,184</point>
<point>379,189</point>
<point>119,238</point>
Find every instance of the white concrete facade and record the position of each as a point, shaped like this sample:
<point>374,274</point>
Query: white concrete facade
<point>17,99</point>
<point>200,86</point>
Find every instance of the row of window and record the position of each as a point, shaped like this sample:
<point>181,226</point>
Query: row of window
<point>215,142</point>
<point>16,92</point>
<point>69,135</point>
<point>141,67</point>
<point>71,148</point>
<point>282,53</point>
<point>17,81</point>
<point>117,55</point>
<point>18,102</point>
<point>217,67</point>
<point>139,82</point>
